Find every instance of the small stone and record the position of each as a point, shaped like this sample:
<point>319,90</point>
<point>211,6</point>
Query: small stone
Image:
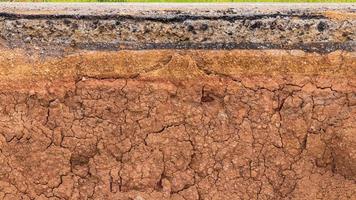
<point>322,26</point>
<point>204,27</point>
<point>190,28</point>
<point>27,39</point>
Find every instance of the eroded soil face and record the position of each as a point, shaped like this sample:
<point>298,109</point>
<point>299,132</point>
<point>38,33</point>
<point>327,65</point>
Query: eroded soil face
<point>182,125</point>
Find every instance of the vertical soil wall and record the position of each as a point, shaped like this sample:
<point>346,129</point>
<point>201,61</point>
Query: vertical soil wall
<point>177,101</point>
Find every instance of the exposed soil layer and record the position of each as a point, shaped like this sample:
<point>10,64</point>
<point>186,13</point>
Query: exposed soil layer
<point>133,123</point>
<point>168,124</point>
<point>216,139</point>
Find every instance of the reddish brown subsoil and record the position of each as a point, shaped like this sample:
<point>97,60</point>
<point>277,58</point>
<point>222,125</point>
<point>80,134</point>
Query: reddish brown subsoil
<point>180,125</point>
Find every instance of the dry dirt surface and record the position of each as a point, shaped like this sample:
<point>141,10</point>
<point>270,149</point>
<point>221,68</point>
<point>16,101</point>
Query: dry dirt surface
<point>177,123</point>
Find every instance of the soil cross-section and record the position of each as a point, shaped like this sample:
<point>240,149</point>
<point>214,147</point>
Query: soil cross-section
<point>177,101</point>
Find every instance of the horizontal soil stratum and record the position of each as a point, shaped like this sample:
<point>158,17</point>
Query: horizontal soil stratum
<point>177,101</point>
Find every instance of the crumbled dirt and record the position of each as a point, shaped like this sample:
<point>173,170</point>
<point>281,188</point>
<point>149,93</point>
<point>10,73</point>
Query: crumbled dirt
<point>147,130</point>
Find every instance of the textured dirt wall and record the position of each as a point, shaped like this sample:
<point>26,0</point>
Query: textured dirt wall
<point>183,122</point>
